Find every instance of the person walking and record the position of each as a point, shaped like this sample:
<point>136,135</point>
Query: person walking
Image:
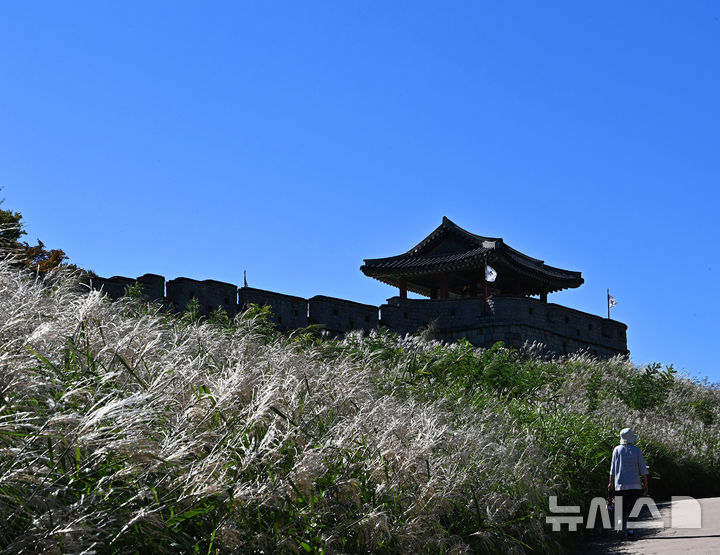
<point>628,476</point>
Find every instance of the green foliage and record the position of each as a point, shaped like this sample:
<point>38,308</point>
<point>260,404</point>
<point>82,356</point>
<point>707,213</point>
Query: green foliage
<point>580,448</point>
<point>262,318</point>
<point>193,311</point>
<point>133,291</point>
<point>674,472</point>
<point>499,371</point>
<point>702,409</point>
<point>219,317</point>
<point>11,228</point>
<point>34,257</point>
<point>593,390</point>
<point>510,374</point>
<point>650,388</point>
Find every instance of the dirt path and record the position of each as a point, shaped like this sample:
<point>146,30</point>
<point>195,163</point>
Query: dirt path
<point>674,537</point>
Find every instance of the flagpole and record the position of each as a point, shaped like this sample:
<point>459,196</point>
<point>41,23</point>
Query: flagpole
<point>608,302</point>
<point>486,308</point>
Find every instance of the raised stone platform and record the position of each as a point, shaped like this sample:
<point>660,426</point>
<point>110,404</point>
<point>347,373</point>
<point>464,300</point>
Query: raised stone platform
<point>514,320</point>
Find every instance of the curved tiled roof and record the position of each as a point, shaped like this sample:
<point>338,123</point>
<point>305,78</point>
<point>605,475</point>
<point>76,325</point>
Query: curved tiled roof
<point>424,264</point>
<point>420,260</point>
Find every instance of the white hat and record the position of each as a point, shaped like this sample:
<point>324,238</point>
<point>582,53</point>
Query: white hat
<point>628,436</point>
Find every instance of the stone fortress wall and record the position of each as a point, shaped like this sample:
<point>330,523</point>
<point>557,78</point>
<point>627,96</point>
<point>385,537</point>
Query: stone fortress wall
<point>513,320</point>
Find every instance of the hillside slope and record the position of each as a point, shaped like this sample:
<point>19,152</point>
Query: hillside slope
<point>124,428</point>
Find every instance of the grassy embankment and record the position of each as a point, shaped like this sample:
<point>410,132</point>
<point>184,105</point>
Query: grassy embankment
<point>123,429</point>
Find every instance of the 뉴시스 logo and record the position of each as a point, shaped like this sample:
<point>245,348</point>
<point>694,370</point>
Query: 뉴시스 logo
<point>685,512</point>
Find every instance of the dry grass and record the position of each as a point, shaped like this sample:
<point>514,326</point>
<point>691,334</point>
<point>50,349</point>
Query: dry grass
<point>122,429</point>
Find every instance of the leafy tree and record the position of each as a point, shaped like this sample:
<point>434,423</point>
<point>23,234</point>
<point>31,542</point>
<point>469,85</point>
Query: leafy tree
<point>10,227</point>
<point>40,259</point>
<point>34,257</point>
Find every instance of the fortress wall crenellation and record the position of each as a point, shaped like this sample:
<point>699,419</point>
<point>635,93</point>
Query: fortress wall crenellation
<point>153,286</point>
<point>340,316</point>
<point>514,320</point>
<point>289,312</point>
<point>114,286</point>
<point>210,294</point>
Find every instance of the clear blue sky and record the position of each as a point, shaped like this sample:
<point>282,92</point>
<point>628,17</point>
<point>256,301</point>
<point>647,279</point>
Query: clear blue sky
<point>294,139</point>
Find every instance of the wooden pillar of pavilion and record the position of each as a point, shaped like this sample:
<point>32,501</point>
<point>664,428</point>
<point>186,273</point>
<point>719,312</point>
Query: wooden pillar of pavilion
<point>543,297</point>
<point>444,287</point>
<point>403,288</point>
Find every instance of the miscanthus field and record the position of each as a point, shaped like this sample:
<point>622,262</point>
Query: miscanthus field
<point>126,429</point>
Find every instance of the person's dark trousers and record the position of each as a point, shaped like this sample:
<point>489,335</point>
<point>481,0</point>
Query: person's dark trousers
<point>629,497</point>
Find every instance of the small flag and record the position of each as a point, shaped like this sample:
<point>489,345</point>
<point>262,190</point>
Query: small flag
<point>611,302</point>
<point>490,273</point>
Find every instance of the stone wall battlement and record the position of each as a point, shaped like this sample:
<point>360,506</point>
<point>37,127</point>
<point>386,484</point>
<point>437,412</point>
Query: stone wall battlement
<point>514,320</point>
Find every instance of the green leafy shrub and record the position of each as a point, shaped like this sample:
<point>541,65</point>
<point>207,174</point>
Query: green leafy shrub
<point>133,291</point>
<point>261,318</point>
<point>219,317</point>
<point>193,312</point>
<point>649,388</point>
<point>702,409</point>
<point>593,390</point>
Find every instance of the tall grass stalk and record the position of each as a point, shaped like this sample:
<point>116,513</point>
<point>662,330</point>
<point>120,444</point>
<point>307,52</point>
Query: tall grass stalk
<point>123,428</point>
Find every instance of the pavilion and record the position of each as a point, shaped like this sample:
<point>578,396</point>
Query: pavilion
<point>452,263</point>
